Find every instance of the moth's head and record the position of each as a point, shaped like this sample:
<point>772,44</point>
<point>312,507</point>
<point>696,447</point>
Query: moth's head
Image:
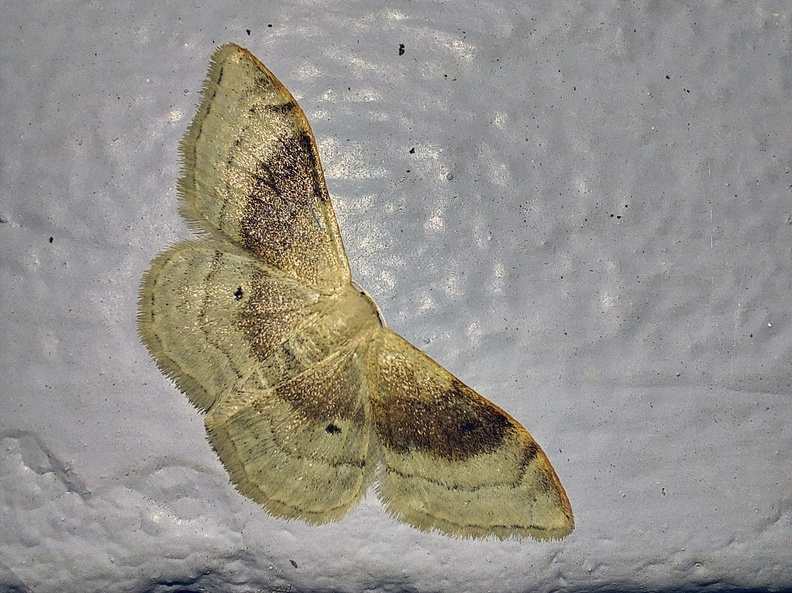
<point>374,306</point>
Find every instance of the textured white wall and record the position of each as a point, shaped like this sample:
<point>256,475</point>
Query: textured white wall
<point>593,231</point>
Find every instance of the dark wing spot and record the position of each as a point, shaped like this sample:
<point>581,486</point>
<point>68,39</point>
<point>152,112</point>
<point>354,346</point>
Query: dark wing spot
<point>332,429</point>
<point>238,294</point>
<point>468,426</point>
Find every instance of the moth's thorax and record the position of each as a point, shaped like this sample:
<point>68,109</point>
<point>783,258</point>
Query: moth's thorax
<point>353,313</point>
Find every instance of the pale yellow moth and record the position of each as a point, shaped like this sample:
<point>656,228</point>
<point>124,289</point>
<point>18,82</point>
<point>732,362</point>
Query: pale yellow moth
<point>308,398</point>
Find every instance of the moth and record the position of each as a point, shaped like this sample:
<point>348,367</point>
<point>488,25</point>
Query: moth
<point>309,399</point>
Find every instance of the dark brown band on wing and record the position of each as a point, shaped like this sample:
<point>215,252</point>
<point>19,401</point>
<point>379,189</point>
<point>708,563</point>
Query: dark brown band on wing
<point>283,109</point>
<point>282,206</point>
<point>268,315</point>
<point>325,393</point>
<point>454,424</point>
